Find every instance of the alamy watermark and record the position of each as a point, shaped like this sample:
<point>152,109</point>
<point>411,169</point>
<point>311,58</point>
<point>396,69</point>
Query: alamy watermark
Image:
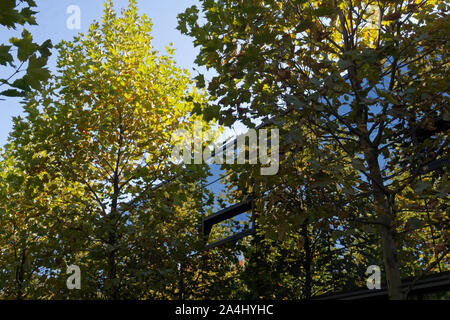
<point>74,280</point>
<point>374,280</point>
<point>74,20</point>
<point>258,148</point>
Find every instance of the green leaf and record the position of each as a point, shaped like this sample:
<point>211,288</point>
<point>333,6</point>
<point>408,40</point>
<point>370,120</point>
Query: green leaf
<point>21,84</point>
<point>295,102</point>
<point>325,11</point>
<point>344,64</point>
<point>25,46</point>
<point>321,180</point>
<point>283,229</point>
<point>36,71</point>
<point>12,93</point>
<point>358,164</point>
<point>44,48</point>
<point>5,56</point>
<point>421,186</point>
<point>200,81</point>
<point>415,223</point>
<point>8,15</point>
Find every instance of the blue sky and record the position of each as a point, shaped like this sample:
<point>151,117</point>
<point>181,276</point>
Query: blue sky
<point>52,19</point>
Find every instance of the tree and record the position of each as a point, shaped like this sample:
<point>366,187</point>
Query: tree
<point>12,14</point>
<point>33,211</point>
<point>310,236</point>
<point>98,137</point>
<point>370,76</point>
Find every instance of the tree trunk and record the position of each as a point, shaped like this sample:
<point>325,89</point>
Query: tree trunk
<point>112,242</point>
<point>20,275</point>
<point>307,262</point>
<point>390,260</point>
<point>112,274</point>
<point>114,220</point>
<point>384,212</point>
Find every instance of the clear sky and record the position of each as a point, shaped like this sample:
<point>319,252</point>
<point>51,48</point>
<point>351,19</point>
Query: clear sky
<point>52,25</point>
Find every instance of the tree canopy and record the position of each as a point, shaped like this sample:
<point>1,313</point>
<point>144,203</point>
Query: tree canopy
<point>357,89</point>
<point>370,76</point>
